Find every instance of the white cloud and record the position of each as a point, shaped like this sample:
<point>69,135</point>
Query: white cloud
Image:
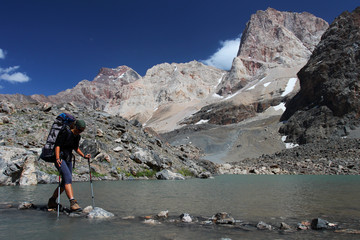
<point>9,74</point>
<point>2,54</point>
<point>224,55</point>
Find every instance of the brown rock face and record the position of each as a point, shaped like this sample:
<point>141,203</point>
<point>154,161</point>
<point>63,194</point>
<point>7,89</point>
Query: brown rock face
<point>273,38</point>
<point>329,99</point>
<point>106,85</point>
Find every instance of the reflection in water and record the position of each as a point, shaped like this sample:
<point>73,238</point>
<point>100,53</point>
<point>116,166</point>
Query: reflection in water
<point>272,199</point>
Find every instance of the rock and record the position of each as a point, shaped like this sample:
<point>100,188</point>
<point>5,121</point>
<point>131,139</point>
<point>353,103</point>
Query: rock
<point>5,119</point>
<point>168,175</point>
<point>99,213</point>
<point>12,163</point>
<point>204,175</point>
<point>26,205</point>
<point>7,107</point>
<point>99,133</point>
<point>223,218</point>
<point>285,227</point>
<point>46,107</point>
<point>328,101</point>
<point>103,157</point>
<point>118,149</point>
<point>88,209</point>
<point>301,226</point>
<point>321,224</point>
<point>163,214</point>
<point>44,178</point>
<point>185,217</point>
<point>264,226</point>
<point>29,174</point>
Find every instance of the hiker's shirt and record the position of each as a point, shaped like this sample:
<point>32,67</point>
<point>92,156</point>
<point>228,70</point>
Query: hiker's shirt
<point>67,141</point>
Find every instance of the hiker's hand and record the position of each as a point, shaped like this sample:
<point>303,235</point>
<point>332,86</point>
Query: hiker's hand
<point>87,156</point>
<point>59,161</point>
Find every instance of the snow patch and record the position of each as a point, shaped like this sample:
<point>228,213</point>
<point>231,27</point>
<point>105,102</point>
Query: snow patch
<point>288,145</point>
<point>202,122</point>
<point>281,106</point>
<point>267,84</point>
<point>219,81</point>
<point>289,87</point>
<point>217,96</point>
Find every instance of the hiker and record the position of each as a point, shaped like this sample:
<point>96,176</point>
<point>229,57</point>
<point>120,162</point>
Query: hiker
<point>67,141</point>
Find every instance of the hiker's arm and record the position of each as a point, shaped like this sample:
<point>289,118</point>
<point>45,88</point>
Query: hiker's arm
<point>57,155</point>
<point>87,156</point>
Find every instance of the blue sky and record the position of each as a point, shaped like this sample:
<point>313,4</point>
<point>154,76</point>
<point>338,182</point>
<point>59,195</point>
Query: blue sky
<point>47,46</point>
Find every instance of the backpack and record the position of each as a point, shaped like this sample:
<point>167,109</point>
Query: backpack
<point>62,122</point>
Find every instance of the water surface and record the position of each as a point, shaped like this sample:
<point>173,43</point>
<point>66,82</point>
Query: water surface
<point>272,199</point>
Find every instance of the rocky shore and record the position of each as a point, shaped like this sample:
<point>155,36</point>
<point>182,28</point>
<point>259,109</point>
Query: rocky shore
<point>331,157</point>
<point>120,149</point>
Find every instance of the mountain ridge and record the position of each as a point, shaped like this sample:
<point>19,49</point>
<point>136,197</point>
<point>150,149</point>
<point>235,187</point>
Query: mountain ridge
<point>170,95</point>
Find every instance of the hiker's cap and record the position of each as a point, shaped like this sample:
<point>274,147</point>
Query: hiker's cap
<point>80,124</point>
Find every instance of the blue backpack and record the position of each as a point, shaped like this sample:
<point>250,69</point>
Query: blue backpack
<point>62,122</point>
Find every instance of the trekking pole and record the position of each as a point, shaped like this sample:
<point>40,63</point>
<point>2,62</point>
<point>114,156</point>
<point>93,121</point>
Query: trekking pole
<point>91,186</point>
<point>58,202</point>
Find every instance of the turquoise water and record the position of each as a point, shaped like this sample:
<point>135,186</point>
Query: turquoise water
<point>272,199</point>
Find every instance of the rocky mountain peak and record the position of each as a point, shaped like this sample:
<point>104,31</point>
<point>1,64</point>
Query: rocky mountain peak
<point>123,73</point>
<point>113,71</point>
<point>328,102</point>
<point>273,38</point>
<point>278,37</point>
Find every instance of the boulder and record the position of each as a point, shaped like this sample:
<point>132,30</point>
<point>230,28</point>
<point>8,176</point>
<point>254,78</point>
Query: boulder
<point>185,217</point>
<point>223,218</point>
<point>11,165</point>
<point>264,226</point>
<point>321,224</point>
<point>168,175</point>
<point>163,214</point>
<point>28,175</point>
<point>204,175</point>
<point>44,178</point>
<point>99,213</point>
<point>26,205</point>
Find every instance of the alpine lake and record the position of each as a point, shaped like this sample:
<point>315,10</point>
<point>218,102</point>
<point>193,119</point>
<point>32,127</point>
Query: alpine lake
<point>249,199</point>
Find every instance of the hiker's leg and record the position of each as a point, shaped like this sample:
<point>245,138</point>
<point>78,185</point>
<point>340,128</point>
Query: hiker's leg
<point>55,194</point>
<point>66,172</point>
<point>69,191</point>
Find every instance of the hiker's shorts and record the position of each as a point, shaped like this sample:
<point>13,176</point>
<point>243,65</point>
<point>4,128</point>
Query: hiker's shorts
<point>65,172</point>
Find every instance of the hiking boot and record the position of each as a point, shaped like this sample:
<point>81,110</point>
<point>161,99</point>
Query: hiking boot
<point>52,203</point>
<point>74,206</point>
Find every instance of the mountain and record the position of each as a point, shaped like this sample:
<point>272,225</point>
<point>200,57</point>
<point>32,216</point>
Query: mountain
<point>178,97</point>
<point>273,48</point>
<point>272,39</point>
<point>97,93</point>
<point>328,103</point>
